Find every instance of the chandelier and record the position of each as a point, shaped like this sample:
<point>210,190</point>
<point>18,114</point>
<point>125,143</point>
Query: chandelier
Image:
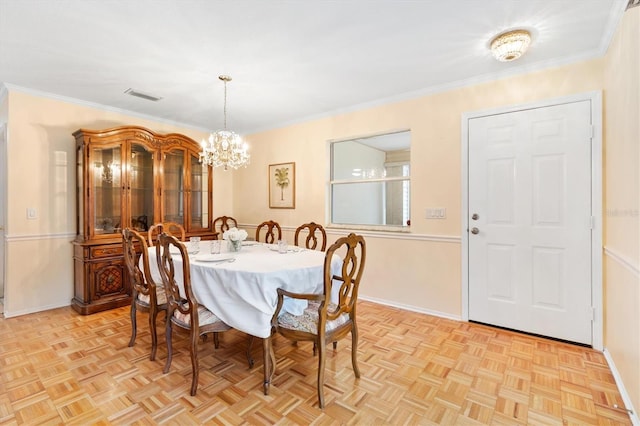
<point>224,148</point>
<point>510,45</point>
<point>107,171</point>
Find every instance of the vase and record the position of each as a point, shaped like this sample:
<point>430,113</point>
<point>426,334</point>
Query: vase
<point>234,246</point>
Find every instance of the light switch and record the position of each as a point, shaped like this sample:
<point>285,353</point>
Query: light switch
<point>436,213</point>
<point>32,213</point>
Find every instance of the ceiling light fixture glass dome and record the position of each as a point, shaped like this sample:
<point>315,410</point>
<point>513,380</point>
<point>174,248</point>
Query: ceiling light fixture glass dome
<point>511,45</point>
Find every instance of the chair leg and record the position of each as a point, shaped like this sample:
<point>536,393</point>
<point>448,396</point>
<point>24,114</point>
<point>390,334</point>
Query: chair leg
<point>335,345</point>
<point>169,344</point>
<point>216,340</point>
<point>269,363</point>
<point>153,315</point>
<point>134,325</point>
<point>249,357</point>
<point>354,350</point>
<point>321,360</point>
<point>315,348</point>
<point>193,349</point>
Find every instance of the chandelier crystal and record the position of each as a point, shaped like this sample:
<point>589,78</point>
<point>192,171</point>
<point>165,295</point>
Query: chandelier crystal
<point>510,45</point>
<point>224,147</point>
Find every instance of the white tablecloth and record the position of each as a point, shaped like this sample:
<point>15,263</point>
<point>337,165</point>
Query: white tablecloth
<point>243,293</point>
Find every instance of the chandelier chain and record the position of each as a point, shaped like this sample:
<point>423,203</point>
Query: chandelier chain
<point>224,148</point>
<point>225,104</point>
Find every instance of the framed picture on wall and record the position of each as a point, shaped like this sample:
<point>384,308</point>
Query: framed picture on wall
<point>282,186</point>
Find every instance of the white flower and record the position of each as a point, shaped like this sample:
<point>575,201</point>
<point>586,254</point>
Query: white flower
<point>235,234</point>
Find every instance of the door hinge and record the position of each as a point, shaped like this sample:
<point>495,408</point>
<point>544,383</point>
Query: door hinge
<point>592,131</point>
<point>592,222</point>
<point>593,313</point>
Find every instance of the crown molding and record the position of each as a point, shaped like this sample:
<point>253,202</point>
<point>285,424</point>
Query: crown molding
<point>445,87</point>
<point>4,92</point>
<point>39,93</point>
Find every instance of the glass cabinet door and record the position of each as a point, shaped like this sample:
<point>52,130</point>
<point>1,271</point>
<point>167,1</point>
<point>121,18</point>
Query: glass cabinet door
<point>141,187</point>
<point>80,207</point>
<point>199,200</point>
<point>107,186</point>
<point>173,186</point>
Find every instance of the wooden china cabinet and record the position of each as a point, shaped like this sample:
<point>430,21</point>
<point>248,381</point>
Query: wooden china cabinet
<point>131,177</point>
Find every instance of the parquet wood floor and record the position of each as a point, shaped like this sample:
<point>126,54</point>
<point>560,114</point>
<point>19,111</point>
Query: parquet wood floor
<point>58,367</point>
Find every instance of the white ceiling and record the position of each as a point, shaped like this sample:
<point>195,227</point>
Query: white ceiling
<point>290,60</point>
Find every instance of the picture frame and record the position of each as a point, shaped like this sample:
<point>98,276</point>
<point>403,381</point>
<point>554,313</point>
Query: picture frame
<point>282,186</point>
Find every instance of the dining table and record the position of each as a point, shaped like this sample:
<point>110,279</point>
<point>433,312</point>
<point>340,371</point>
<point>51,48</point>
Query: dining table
<point>241,287</point>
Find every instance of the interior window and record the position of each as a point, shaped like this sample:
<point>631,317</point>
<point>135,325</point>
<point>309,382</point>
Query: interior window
<point>370,181</point>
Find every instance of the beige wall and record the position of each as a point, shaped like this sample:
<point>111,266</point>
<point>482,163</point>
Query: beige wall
<point>41,175</point>
<point>420,270</point>
<point>622,202</point>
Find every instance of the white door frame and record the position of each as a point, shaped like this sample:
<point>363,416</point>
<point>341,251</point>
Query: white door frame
<point>3,206</point>
<point>596,201</point>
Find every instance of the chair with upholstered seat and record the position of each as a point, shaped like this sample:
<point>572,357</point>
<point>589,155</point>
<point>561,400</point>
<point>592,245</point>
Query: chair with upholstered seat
<point>325,320</point>
<point>146,295</point>
<point>171,228</point>
<point>273,232</point>
<point>183,311</point>
<point>311,241</point>
<point>223,223</point>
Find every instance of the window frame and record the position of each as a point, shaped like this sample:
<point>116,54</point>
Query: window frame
<point>331,183</point>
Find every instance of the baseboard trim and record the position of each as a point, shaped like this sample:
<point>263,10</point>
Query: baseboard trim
<point>38,309</point>
<point>633,416</point>
<point>410,308</point>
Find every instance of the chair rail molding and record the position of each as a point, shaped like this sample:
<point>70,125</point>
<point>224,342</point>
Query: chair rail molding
<point>622,260</point>
<point>456,239</point>
<point>36,237</point>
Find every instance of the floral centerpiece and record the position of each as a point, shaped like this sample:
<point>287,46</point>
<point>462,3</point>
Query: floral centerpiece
<point>234,237</point>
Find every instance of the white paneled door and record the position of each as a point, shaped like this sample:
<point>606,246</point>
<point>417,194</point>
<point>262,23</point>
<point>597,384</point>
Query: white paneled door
<point>530,220</point>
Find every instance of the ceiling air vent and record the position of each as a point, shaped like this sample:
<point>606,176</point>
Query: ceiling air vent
<point>139,94</point>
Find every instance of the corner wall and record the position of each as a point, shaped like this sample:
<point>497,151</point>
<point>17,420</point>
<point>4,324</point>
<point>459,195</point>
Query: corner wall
<point>622,202</point>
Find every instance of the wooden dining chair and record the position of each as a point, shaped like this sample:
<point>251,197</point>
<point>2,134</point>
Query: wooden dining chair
<point>223,223</point>
<point>273,232</point>
<point>184,312</point>
<point>146,295</point>
<point>170,228</point>
<point>312,241</point>
<point>324,321</point>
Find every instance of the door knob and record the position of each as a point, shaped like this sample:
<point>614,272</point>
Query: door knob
<point>475,216</point>
<point>474,230</point>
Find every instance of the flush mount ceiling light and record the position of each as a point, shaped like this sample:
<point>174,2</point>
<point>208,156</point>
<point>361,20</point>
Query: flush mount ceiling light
<point>510,45</point>
<point>224,148</point>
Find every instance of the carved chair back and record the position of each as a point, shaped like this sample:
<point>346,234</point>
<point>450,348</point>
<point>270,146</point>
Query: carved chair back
<point>273,232</point>
<point>312,241</point>
<point>223,223</point>
<point>171,228</point>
